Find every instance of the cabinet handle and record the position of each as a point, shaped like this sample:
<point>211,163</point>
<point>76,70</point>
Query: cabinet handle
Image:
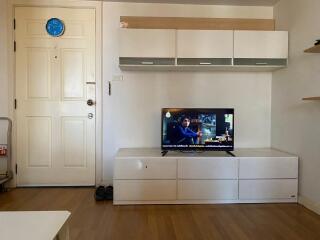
<point>146,166</point>
<point>147,63</point>
<point>261,63</point>
<point>205,63</point>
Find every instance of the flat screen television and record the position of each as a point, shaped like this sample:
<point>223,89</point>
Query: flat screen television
<point>192,129</point>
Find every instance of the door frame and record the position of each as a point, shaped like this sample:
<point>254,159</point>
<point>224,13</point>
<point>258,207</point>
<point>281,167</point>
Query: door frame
<point>84,4</point>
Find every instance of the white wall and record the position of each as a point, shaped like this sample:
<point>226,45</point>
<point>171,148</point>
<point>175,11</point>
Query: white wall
<point>3,59</point>
<point>3,69</point>
<point>132,113</point>
<point>295,123</point>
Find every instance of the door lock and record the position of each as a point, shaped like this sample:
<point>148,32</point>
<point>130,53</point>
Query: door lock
<point>90,102</point>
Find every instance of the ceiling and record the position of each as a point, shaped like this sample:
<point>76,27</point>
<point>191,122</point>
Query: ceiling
<point>209,2</point>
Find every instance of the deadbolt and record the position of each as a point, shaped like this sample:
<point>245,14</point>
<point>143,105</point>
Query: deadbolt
<point>90,102</point>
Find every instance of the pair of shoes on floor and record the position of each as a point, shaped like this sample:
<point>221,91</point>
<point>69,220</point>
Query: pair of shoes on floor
<point>104,193</point>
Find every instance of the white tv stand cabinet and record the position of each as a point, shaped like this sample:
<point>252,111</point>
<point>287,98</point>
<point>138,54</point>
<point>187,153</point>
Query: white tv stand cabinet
<point>143,176</point>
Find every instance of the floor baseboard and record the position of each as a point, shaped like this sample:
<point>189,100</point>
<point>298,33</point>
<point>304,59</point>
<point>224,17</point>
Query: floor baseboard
<point>308,203</point>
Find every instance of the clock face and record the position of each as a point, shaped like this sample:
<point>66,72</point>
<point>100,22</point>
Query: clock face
<point>55,27</point>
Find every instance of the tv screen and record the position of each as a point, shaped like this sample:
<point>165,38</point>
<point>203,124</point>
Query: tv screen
<point>197,129</point>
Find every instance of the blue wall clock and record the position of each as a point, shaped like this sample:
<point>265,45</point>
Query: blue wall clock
<point>55,27</point>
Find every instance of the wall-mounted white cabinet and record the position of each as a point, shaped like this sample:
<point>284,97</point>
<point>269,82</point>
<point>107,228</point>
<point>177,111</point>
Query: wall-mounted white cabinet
<point>204,47</point>
<point>142,176</point>
<point>147,47</point>
<point>192,50</point>
<point>260,48</point>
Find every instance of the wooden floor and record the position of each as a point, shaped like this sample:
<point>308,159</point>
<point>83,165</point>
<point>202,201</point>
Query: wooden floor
<point>102,220</point>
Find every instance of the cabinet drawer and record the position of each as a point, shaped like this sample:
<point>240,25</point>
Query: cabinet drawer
<point>209,168</point>
<point>207,189</point>
<point>264,167</point>
<point>146,61</point>
<point>268,189</point>
<point>155,168</point>
<point>260,62</point>
<point>205,61</point>
<point>144,190</point>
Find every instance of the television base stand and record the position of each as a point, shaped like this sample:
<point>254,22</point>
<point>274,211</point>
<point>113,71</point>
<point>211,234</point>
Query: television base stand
<point>206,178</point>
<point>164,152</point>
<point>230,153</point>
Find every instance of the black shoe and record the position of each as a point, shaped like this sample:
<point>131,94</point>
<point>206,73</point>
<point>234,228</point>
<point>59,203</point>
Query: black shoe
<point>100,193</point>
<point>109,193</point>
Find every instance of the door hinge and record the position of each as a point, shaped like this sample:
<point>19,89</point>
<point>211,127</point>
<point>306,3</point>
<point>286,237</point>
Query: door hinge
<point>14,46</point>
<point>16,168</point>
<point>15,104</point>
<point>14,24</point>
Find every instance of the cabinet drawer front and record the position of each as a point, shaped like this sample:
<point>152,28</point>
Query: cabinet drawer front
<point>144,190</point>
<point>258,168</point>
<point>268,189</point>
<point>157,168</point>
<point>260,62</point>
<point>207,189</point>
<point>147,61</point>
<point>205,61</point>
<point>211,168</point>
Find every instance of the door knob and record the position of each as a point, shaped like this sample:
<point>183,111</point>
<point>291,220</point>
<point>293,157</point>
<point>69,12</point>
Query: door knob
<point>90,115</point>
<point>90,102</point>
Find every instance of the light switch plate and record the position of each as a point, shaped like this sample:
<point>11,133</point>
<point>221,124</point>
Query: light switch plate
<point>117,78</point>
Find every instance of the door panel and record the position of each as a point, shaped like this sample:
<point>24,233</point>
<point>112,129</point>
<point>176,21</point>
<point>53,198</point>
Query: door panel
<point>38,69</point>
<point>74,141</point>
<point>55,137</point>
<point>73,74</point>
<point>39,136</point>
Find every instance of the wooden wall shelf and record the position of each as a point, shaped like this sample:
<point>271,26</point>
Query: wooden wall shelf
<point>314,49</point>
<point>197,23</point>
<point>311,98</point>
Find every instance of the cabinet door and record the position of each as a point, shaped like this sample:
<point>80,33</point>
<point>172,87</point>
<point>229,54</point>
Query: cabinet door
<point>145,168</point>
<point>144,190</point>
<point>204,47</point>
<point>207,189</point>
<point>147,43</point>
<point>261,44</point>
<point>268,189</point>
<point>204,44</point>
<point>208,168</point>
<point>266,167</point>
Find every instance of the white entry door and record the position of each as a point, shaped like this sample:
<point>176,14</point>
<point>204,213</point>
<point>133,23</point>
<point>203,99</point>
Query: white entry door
<point>55,76</point>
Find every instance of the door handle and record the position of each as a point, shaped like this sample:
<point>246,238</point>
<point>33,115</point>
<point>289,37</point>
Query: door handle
<point>90,115</point>
<point>90,102</point>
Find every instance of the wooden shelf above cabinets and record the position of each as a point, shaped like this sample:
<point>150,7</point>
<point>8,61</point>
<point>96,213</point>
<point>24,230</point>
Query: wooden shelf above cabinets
<point>314,49</point>
<point>197,23</point>
<point>311,98</point>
